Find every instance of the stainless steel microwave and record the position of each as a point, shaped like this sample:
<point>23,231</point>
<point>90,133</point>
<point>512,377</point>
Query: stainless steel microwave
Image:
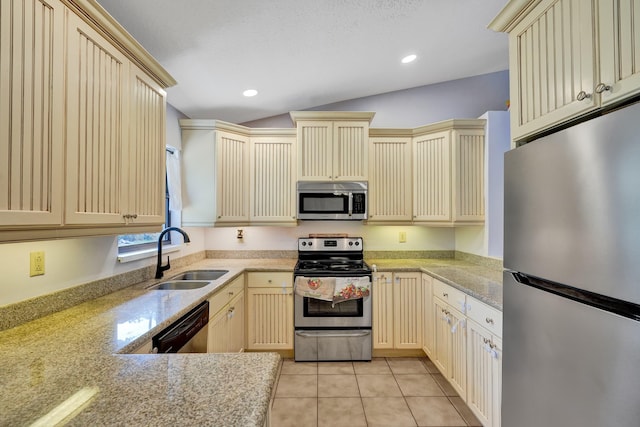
<point>318,200</point>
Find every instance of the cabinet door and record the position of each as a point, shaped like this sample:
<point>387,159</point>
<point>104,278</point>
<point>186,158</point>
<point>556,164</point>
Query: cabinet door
<point>468,176</point>
<point>432,177</point>
<point>232,178</point>
<point>270,319</point>
<point>390,179</point>
<point>619,38</point>
<point>382,310</point>
<point>236,324</point>
<point>457,374</point>
<point>97,122</point>
<point>407,310</point>
<point>497,382</point>
<point>145,151</point>
<point>315,150</point>
<point>273,180</point>
<point>31,112</point>
<point>427,315</point>
<point>350,147</point>
<point>552,65</point>
<point>480,368</point>
<point>218,335</point>
<point>441,337</point>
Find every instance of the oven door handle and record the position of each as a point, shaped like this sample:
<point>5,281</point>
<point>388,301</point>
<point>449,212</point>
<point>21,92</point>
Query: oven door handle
<point>332,334</point>
<point>350,203</point>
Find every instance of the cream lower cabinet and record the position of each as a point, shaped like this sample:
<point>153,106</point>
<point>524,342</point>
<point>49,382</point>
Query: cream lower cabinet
<point>450,335</point>
<point>484,362</point>
<point>270,311</point>
<point>397,311</point>
<point>226,318</point>
<point>428,327</point>
<point>389,178</point>
<point>382,310</point>
<point>226,328</point>
<point>407,311</point>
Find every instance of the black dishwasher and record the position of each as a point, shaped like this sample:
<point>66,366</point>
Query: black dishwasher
<point>187,335</point>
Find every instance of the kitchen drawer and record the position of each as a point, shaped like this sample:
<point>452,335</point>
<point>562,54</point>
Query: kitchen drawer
<point>455,298</point>
<point>270,280</point>
<point>224,295</point>
<point>487,317</point>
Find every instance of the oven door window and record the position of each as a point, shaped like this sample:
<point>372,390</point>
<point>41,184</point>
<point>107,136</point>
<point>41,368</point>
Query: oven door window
<point>319,308</point>
<point>323,203</point>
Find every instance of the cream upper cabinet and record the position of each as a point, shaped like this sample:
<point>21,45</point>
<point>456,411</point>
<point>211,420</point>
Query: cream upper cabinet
<point>448,177</point>
<point>273,179</point>
<point>232,176</point>
<point>145,150</point>
<point>390,174</point>
<point>82,126</point>
<point>31,117</point>
<point>567,58</point>
<point>215,176</point>
<point>332,146</point>
<point>97,124</point>
<point>619,42</point>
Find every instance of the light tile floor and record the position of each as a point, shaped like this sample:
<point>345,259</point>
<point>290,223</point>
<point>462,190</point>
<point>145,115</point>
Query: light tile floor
<point>386,392</point>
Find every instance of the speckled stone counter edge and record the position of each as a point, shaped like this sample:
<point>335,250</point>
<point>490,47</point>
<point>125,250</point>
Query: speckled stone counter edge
<point>24,311</point>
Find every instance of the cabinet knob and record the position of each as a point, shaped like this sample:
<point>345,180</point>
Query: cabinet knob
<point>446,295</point>
<point>603,87</point>
<point>582,95</point>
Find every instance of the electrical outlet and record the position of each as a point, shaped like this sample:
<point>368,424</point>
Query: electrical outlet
<point>402,237</point>
<point>36,264</point>
<point>239,233</point>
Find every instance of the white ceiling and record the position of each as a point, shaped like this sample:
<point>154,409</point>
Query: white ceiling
<point>301,54</point>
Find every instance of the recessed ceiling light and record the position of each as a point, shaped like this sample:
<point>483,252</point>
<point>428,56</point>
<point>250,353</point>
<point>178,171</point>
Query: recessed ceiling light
<point>250,92</point>
<point>409,58</point>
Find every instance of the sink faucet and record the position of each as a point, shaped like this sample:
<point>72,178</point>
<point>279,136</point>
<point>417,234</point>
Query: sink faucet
<point>160,268</point>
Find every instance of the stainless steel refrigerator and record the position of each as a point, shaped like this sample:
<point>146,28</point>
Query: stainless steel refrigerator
<point>572,280</point>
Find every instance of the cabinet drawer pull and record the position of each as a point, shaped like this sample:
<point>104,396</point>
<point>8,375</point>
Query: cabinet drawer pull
<point>602,88</point>
<point>446,295</point>
<point>489,320</point>
<point>230,293</point>
<point>582,95</point>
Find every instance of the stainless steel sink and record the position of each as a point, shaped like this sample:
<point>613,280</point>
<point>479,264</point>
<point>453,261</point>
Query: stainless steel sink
<point>176,285</point>
<point>201,275</point>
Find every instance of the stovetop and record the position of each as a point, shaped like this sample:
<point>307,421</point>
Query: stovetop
<point>334,256</point>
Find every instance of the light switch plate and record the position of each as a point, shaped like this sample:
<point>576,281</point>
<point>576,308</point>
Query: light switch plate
<point>36,264</point>
<point>402,237</point>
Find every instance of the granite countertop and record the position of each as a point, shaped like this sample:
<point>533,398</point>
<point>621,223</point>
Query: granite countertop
<point>84,350</point>
<point>482,283</point>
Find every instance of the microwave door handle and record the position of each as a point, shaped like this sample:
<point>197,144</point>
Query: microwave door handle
<point>350,203</point>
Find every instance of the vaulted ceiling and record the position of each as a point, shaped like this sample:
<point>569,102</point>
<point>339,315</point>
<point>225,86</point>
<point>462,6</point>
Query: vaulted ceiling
<point>299,54</point>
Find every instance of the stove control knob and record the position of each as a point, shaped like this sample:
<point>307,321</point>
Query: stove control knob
<point>304,243</point>
<point>310,243</point>
<point>350,243</point>
<point>357,243</point>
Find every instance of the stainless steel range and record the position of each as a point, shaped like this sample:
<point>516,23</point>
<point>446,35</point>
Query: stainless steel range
<point>332,302</point>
